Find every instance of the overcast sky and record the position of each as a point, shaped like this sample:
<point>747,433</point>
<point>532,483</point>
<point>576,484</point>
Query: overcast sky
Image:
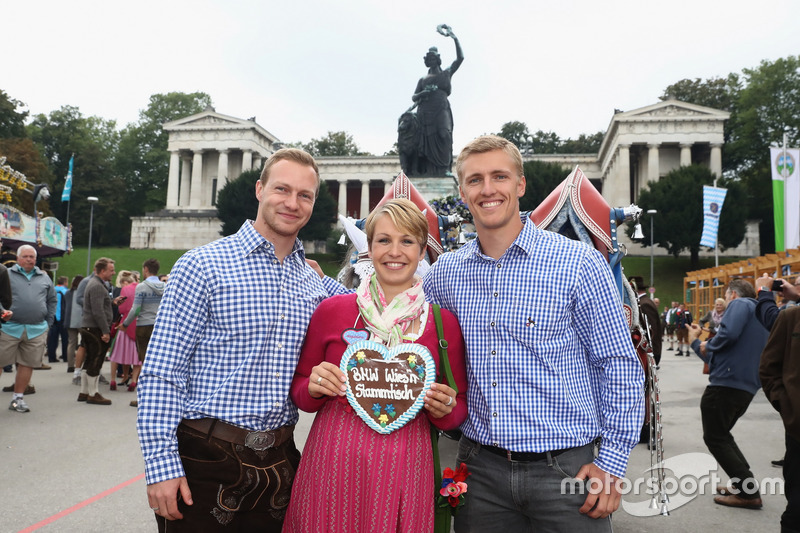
<point>304,68</point>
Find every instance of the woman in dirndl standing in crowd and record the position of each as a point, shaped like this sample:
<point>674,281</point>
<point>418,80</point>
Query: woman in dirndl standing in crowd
<point>352,478</point>
<point>124,352</point>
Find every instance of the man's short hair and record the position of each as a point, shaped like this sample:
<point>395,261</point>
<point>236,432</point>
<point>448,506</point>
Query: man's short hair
<point>290,154</point>
<point>62,280</point>
<point>102,263</point>
<point>488,143</point>
<point>405,215</point>
<point>741,287</point>
<point>152,265</point>
<point>27,247</point>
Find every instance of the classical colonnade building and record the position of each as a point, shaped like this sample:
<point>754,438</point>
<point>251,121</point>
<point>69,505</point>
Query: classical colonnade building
<point>640,146</point>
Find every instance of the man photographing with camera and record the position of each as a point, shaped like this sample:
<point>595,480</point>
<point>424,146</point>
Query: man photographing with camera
<point>767,308</point>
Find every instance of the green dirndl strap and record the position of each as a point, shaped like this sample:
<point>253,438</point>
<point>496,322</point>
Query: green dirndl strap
<point>442,515</point>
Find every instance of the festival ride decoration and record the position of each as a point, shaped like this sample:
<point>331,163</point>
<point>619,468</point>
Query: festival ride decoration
<point>49,235</point>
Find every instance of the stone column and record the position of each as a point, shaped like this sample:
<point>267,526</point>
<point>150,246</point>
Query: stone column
<point>173,184</point>
<point>364,199</point>
<point>222,170</point>
<point>196,197</point>
<point>342,197</point>
<point>186,187</point>
<point>652,163</point>
<point>624,175</point>
<point>247,160</point>
<point>387,185</point>
<point>257,161</point>
<point>715,162</point>
<point>686,155</point>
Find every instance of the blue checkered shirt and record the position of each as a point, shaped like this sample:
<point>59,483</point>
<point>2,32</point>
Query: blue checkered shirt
<point>551,364</point>
<point>225,344</point>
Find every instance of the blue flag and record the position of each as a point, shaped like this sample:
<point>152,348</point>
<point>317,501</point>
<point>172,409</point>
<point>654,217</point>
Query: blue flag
<point>68,183</point>
<point>713,198</point>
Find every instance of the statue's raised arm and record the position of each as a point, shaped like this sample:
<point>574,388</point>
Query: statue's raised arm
<point>447,31</point>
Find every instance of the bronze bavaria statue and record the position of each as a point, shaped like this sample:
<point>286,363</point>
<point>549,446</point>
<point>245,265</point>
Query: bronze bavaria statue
<point>425,138</point>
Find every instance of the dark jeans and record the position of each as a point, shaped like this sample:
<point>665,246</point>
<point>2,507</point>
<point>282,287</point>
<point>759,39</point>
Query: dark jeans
<point>233,487</point>
<point>720,408</point>
<point>790,519</point>
<point>57,330</point>
<point>518,497</point>
<point>95,351</point>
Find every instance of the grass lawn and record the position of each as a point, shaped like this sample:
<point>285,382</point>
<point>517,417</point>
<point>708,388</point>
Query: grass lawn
<point>74,264</point>
<point>668,271</point>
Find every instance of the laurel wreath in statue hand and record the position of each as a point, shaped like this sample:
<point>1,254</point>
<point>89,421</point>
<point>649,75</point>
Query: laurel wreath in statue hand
<point>445,30</point>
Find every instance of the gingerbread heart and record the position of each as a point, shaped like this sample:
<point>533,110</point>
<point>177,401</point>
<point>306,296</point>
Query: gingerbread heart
<point>386,386</point>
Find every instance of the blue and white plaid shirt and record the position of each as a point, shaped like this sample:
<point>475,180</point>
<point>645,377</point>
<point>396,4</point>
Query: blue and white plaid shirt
<point>226,342</point>
<point>551,364</point>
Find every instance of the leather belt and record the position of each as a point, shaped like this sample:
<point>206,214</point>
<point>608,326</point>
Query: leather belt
<point>522,457</point>
<point>255,440</point>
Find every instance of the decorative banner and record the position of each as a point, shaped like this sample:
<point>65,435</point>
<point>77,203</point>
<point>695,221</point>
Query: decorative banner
<point>386,387</point>
<point>68,183</point>
<point>713,198</point>
<point>786,197</point>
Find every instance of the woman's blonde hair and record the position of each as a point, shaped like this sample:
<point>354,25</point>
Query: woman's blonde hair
<point>125,276</point>
<point>405,215</point>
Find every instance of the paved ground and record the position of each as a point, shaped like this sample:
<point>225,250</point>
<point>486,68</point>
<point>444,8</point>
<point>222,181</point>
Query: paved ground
<point>68,466</point>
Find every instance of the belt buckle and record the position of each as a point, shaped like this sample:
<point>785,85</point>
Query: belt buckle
<point>260,440</point>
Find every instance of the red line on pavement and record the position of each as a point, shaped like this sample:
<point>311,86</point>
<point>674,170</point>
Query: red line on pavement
<point>80,505</point>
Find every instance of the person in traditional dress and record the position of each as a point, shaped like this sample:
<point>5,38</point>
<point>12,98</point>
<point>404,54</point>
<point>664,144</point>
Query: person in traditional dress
<point>124,351</point>
<point>352,478</point>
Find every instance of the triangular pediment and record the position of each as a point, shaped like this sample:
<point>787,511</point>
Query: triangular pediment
<point>208,118</point>
<point>674,109</point>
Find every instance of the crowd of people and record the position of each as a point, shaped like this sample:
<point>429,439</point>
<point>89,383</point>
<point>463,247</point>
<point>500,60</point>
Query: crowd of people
<point>39,317</point>
<point>532,356</point>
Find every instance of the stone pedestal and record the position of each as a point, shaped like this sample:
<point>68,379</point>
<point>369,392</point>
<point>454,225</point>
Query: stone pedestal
<point>432,188</point>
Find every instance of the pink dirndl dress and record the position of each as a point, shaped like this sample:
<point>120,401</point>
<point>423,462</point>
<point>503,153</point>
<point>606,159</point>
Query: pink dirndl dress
<point>125,352</point>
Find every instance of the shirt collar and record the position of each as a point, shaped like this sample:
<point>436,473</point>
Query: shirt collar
<point>524,242</point>
<point>250,240</point>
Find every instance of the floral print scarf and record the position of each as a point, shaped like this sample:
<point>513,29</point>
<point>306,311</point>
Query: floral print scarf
<point>389,321</point>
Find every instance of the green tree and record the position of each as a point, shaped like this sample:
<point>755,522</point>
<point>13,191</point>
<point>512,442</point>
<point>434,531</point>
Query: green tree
<point>767,107</point>
<point>335,143</point>
<point>143,159</point>
<point>584,144</point>
<point>94,142</point>
<point>541,178</point>
<point>322,218</point>
<point>678,198</point>
<point>12,122</point>
<point>764,102</point>
<point>236,202</point>
<point>23,156</point>
<point>516,132</point>
<point>717,93</point>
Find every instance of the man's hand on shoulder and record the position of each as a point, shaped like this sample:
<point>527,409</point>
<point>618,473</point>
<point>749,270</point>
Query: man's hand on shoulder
<point>314,265</point>
<point>603,492</point>
<point>163,497</point>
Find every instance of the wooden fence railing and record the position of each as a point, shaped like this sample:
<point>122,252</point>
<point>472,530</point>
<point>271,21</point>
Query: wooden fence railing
<point>702,287</point>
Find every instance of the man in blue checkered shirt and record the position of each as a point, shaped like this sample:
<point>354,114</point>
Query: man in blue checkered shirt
<point>215,421</point>
<point>551,366</point>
